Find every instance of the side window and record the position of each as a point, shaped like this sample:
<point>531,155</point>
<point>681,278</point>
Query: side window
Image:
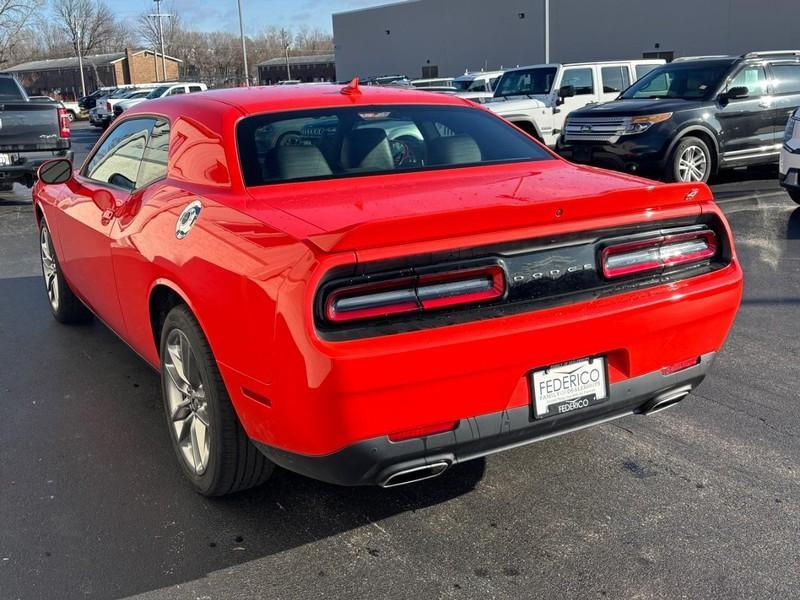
<point>753,78</point>
<point>615,79</point>
<point>195,88</point>
<point>642,70</point>
<point>118,159</point>
<point>176,91</point>
<point>156,153</point>
<point>787,78</point>
<point>581,79</point>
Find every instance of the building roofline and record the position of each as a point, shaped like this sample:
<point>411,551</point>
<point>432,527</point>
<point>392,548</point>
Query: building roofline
<point>376,7</point>
<point>144,51</point>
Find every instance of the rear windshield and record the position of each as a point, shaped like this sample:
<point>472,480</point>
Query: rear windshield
<point>353,141</point>
<point>9,90</point>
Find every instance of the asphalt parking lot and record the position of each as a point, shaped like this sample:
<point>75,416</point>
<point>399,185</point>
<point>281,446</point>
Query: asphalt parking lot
<point>700,501</point>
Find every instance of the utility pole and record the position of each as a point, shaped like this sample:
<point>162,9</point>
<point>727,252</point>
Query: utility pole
<point>286,41</point>
<point>159,15</point>
<point>547,31</point>
<point>79,29</point>
<point>244,45</point>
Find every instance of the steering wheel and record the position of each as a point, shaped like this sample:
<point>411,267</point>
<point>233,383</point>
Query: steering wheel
<point>400,152</point>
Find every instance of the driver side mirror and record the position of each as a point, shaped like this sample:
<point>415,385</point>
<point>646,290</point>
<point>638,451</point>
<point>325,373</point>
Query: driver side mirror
<point>54,172</point>
<point>736,93</point>
<point>566,91</point>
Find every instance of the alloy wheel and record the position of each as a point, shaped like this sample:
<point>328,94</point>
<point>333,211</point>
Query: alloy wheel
<point>49,267</point>
<point>692,164</point>
<point>187,403</point>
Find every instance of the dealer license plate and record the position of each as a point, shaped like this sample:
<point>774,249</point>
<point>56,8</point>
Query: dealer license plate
<point>567,387</point>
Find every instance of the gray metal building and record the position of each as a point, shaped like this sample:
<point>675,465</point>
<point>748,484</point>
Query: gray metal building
<point>437,38</point>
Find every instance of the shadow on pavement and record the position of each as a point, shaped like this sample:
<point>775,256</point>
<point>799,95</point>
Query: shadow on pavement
<point>101,507</point>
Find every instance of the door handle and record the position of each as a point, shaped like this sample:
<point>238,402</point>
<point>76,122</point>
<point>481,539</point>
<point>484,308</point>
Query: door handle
<point>107,215</point>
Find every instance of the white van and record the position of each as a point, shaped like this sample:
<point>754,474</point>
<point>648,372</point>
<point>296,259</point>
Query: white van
<point>477,86</point>
<point>538,98</point>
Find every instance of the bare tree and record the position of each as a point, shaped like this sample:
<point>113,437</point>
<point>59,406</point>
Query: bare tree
<point>147,30</point>
<point>14,16</point>
<point>89,26</point>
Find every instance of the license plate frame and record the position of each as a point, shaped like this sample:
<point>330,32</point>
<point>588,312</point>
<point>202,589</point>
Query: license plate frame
<point>547,403</point>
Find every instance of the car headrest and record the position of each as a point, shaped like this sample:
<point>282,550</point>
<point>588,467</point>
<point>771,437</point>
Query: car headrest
<point>453,150</point>
<point>296,162</point>
<point>367,149</point>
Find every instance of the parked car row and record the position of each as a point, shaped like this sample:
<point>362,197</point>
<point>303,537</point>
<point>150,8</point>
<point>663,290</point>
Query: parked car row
<point>688,120</point>
<point>114,102</point>
<point>683,121</point>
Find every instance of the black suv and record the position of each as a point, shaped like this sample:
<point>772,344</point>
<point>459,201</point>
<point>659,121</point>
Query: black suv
<point>686,120</point>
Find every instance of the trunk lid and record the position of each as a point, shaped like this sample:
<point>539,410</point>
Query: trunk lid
<point>367,212</point>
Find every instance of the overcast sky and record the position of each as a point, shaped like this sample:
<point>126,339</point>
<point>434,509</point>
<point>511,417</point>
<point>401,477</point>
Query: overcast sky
<point>211,15</point>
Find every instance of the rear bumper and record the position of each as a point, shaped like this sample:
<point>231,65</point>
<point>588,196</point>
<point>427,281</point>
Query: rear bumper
<point>375,461</point>
<point>30,163</point>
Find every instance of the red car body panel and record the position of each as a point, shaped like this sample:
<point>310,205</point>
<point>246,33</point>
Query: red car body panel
<point>252,265</point>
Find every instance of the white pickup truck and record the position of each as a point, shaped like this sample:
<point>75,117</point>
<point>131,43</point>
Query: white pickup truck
<point>538,98</point>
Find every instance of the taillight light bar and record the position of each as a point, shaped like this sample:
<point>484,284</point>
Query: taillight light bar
<point>657,253</point>
<point>415,294</point>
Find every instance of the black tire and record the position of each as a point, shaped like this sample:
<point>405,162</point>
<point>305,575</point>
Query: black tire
<point>794,195</point>
<point>672,171</point>
<point>234,463</point>
<point>66,307</point>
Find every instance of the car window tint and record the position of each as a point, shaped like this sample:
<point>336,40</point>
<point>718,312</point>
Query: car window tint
<point>195,88</point>
<point>154,160</point>
<point>615,79</point>
<point>787,78</point>
<point>353,141</point>
<point>580,79</point>
<point>118,159</point>
<point>176,91</point>
<point>753,78</point>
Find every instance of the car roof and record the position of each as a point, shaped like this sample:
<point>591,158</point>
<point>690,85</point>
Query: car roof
<point>707,61</point>
<point>265,99</point>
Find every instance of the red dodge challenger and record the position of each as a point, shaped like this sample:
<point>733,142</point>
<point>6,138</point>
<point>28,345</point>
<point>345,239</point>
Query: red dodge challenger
<point>370,285</point>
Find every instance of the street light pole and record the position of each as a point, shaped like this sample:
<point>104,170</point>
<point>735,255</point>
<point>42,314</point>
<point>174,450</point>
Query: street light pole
<point>288,70</point>
<point>547,31</point>
<point>244,45</point>
<point>78,28</point>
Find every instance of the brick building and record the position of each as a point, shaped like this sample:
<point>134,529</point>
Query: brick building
<point>302,68</point>
<point>61,76</point>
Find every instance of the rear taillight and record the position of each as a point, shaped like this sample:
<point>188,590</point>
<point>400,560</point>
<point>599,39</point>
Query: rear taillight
<point>414,294</point>
<point>63,123</point>
<point>631,258</point>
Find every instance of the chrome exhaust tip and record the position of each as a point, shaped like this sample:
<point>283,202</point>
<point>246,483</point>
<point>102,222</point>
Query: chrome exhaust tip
<point>665,400</point>
<point>415,474</point>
